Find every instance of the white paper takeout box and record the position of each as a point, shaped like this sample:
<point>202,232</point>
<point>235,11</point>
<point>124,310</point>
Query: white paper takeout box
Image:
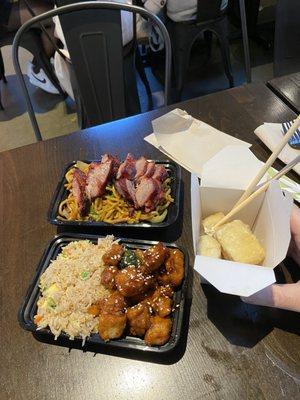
<point>224,178</point>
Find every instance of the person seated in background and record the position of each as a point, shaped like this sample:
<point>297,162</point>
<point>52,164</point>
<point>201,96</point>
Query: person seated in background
<point>12,16</point>
<point>284,296</point>
<point>177,10</point>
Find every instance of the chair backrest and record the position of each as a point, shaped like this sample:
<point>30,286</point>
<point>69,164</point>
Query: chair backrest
<point>95,48</point>
<point>209,9</point>
<point>287,38</point>
<point>94,41</point>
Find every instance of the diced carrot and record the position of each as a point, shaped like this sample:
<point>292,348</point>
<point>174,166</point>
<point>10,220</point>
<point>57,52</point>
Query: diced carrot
<point>94,310</point>
<point>37,318</point>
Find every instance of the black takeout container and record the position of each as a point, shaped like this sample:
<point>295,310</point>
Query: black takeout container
<point>61,194</point>
<point>129,346</point>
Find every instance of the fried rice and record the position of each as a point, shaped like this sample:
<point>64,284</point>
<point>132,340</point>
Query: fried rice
<point>69,286</point>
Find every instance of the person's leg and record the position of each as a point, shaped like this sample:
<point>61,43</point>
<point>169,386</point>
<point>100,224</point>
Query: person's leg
<point>48,47</point>
<point>5,8</point>
<point>37,7</point>
<point>14,21</point>
<point>132,102</point>
<point>39,70</point>
<point>28,9</point>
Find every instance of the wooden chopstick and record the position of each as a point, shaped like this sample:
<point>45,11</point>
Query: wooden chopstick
<point>270,161</point>
<point>261,189</point>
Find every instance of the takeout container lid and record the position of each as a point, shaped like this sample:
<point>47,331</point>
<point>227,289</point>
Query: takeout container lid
<point>128,346</point>
<point>225,177</point>
<point>61,194</point>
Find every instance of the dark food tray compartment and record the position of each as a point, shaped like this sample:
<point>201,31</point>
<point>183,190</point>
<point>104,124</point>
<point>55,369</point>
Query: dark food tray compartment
<point>61,193</point>
<point>29,306</point>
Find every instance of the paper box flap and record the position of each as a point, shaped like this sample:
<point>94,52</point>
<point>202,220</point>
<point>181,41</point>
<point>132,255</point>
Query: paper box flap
<point>189,141</point>
<point>234,278</point>
<point>175,121</point>
<point>195,209</point>
<point>272,226</point>
<point>232,167</point>
<point>217,199</point>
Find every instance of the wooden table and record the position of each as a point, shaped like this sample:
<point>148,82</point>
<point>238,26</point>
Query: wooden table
<point>287,88</point>
<point>234,350</point>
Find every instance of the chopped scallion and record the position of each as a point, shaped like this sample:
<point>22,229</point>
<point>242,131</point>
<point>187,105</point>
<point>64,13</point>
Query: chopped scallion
<point>84,275</point>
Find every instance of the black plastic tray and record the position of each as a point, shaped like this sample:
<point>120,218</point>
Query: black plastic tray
<point>61,193</point>
<point>94,342</point>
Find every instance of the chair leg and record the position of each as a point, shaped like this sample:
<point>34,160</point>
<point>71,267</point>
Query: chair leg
<point>2,69</point>
<point>222,35</point>
<point>181,59</point>
<point>227,63</point>
<point>182,39</point>
<point>208,40</point>
<point>81,115</point>
<point>141,71</point>
<point>181,64</point>
<point>132,101</point>
<point>2,77</point>
<point>1,105</point>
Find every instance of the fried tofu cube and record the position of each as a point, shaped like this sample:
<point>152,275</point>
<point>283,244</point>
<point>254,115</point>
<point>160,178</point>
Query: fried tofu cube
<point>239,244</point>
<point>209,247</point>
<point>211,221</point>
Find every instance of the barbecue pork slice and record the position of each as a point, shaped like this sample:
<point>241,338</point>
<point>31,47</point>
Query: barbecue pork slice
<point>148,193</point>
<point>97,178</point>
<point>160,173</point>
<point>141,167</point>
<point>127,168</point>
<point>126,189</point>
<point>78,190</point>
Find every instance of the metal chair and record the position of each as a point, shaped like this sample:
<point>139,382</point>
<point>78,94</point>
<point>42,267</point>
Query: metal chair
<point>132,52</point>
<point>96,55</point>
<point>287,38</point>
<point>2,77</point>
<point>210,19</point>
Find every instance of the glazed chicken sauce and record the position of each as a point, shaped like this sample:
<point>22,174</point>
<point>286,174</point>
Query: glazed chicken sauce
<point>141,285</point>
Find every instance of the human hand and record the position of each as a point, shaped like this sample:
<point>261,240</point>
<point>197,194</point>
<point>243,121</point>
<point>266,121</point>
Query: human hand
<point>294,250</point>
<point>286,296</point>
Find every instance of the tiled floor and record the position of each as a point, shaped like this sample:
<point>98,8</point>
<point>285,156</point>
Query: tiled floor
<point>57,117</point>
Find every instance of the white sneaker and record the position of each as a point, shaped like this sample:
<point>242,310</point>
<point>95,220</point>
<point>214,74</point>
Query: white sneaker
<point>40,79</point>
